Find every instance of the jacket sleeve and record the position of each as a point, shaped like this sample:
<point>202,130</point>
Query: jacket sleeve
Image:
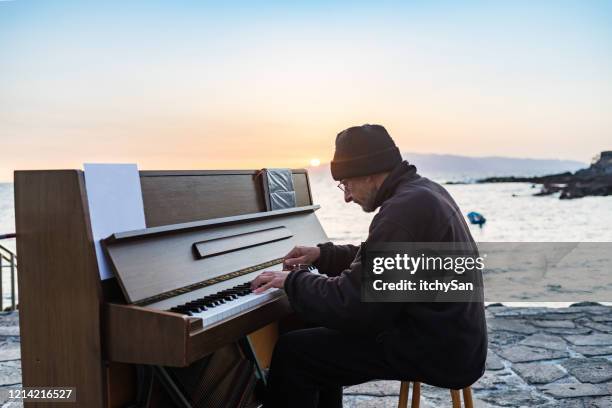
<point>335,302</point>
<point>335,258</point>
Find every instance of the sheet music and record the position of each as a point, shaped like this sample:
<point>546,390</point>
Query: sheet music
<point>115,204</point>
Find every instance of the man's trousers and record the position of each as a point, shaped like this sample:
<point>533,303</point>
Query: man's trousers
<point>310,366</point>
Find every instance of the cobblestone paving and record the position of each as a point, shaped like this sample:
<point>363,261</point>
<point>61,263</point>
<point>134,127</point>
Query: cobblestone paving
<point>551,358</point>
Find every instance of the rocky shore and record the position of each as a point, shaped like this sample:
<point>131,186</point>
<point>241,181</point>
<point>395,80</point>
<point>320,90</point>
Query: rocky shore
<point>595,180</point>
<point>545,357</point>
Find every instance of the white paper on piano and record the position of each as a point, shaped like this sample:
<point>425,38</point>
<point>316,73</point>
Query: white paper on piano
<point>115,204</point>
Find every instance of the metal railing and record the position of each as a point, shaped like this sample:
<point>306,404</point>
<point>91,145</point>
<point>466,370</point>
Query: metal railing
<point>8,260</point>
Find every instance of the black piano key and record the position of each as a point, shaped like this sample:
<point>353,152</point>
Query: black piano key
<point>183,311</point>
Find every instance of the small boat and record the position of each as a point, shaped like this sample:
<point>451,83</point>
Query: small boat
<point>476,218</point>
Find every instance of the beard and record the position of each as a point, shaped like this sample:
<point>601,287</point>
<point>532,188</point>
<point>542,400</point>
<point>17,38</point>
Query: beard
<point>368,205</point>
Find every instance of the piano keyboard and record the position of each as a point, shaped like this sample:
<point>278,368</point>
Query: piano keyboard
<point>228,302</point>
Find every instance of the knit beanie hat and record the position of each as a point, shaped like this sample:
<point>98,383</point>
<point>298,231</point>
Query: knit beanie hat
<point>362,151</point>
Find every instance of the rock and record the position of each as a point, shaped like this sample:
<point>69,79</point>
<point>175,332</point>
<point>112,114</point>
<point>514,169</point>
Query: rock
<point>513,398</point>
<point>596,180</point>
<point>514,326</point>
<point>574,390</point>
<point>13,405</point>
<point>10,372</point>
<point>560,330</point>
<point>10,351</point>
<point>598,326</point>
<point>359,401</point>
<point>504,338</point>
<point>493,361</point>
<point>600,402</point>
<point>566,403</point>
<point>374,388</point>
<point>539,373</point>
<point>596,339</point>
<point>603,318</point>
<point>522,354</point>
<point>561,316</point>
<point>489,381</point>
<point>598,310</point>
<point>590,351</point>
<point>518,311</point>
<point>553,323</point>
<point>545,341</point>
<point>589,370</point>
<point>9,318</point>
<point>9,331</point>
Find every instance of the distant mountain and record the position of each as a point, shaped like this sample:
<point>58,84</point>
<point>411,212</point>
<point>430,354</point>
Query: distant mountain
<point>449,167</point>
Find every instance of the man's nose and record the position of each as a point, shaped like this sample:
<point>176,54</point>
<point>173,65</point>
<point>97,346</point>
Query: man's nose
<point>347,197</point>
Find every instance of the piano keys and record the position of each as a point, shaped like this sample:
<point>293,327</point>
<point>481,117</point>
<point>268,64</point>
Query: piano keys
<point>228,302</point>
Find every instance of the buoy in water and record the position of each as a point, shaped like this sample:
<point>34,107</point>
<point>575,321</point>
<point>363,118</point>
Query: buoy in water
<point>476,218</point>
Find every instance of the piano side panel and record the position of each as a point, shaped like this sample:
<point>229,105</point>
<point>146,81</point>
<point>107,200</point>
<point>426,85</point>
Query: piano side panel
<point>59,287</point>
<point>137,335</point>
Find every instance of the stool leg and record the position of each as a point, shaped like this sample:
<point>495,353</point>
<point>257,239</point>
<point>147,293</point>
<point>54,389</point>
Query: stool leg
<point>467,398</point>
<point>416,394</point>
<point>403,398</point>
<point>456,398</point>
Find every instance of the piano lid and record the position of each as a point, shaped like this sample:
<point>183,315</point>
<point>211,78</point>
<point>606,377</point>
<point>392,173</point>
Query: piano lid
<point>162,262</point>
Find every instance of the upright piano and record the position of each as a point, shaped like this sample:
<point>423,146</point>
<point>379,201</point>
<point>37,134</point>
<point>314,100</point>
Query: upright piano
<point>178,324</point>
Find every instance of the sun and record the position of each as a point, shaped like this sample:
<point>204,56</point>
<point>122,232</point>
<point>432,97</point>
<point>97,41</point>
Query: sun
<point>315,162</point>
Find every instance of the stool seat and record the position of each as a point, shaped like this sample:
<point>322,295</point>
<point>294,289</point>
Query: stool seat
<point>416,396</point>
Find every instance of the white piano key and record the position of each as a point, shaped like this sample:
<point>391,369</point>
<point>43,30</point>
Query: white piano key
<point>233,307</point>
<point>236,306</point>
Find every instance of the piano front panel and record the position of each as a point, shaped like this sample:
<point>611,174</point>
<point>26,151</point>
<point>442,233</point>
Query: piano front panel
<point>158,264</point>
<point>172,197</point>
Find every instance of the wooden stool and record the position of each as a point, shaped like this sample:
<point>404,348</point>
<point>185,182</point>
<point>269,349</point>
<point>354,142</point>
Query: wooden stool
<point>416,396</point>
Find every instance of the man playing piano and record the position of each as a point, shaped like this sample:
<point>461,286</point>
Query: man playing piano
<point>443,344</point>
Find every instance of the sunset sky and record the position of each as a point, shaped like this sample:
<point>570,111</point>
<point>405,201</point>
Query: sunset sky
<point>193,84</point>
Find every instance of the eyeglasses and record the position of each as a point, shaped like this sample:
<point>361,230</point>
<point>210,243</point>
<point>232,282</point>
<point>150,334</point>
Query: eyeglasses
<point>343,186</point>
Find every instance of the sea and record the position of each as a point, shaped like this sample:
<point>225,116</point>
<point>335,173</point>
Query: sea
<point>512,211</point>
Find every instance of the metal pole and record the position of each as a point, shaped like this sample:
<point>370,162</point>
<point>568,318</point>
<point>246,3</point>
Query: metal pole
<point>1,291</point>
<point>12,281</point>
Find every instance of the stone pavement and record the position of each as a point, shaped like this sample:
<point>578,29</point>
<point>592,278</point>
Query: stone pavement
<point>544,357</point>
<point>552,358</point>
<point>10,356</point>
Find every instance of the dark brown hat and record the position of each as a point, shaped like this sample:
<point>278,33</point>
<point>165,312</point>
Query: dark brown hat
<point>362,151</point>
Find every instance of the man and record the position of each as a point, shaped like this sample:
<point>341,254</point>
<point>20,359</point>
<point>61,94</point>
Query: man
<point>442,344</point>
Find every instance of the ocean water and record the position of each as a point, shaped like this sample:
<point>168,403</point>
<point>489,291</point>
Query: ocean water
<point>513,214</point>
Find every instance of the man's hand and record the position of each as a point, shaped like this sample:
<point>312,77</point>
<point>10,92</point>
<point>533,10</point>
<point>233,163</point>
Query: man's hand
<point>269,279</point>
<point>301,255</point>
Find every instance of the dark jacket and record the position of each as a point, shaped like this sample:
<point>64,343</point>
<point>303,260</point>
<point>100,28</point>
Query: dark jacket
<point>443,344</point>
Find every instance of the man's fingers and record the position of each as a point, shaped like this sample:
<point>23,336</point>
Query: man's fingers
<point>261,279</point>
<point>296,251</point>
<point>295,261</point>
<point>264,287</point>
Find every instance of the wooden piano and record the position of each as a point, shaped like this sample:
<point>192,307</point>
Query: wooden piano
<point>177,325</point>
